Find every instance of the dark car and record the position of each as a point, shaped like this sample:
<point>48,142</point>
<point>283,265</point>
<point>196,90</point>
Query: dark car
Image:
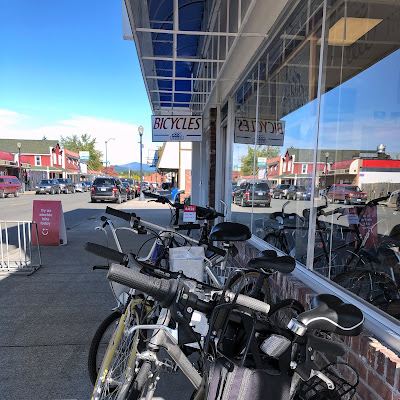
<point>234,187</point>
<point>280,192</point>
<point>132,186</point>
<point>129,190</point>
<point>243,195</point>
<point>349,194</point>
<point>110,189</point>
<point>296,192</point>
<point>66,185</point>
<point>51,186</point>
<point>9,185</point>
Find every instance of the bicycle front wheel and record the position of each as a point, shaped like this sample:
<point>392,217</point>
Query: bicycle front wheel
<point>100,343</point>
<point>244,284</point>
<point>119,362</point>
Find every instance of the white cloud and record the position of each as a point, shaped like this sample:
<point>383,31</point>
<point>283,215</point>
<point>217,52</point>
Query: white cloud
<point>124,149</point>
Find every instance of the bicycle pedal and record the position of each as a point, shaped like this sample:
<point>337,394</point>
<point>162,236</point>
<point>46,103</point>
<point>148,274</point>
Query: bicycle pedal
<point>169,365</point>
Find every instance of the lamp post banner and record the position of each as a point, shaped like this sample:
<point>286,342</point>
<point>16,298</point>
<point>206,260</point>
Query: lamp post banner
<point>269,132</point>
<point>184,128</point>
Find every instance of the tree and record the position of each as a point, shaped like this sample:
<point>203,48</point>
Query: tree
<point>261,151</point>
<point>84,143</point>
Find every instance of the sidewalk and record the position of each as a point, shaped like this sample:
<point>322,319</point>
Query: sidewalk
<point>48,318</point>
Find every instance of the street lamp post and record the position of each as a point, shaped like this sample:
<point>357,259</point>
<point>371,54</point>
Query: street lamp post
<point>106,153</point>
<point>141,197</point>
<point>19,166</point>
<point>326,167</point>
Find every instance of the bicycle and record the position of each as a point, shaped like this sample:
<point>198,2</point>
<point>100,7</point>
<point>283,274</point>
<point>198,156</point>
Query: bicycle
<point>290,350</point>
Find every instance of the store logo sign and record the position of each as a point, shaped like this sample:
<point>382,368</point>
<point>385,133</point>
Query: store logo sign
<point>269,132</point>
<point>177,128</point>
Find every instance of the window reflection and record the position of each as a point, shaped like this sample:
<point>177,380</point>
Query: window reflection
<point>347,158</point>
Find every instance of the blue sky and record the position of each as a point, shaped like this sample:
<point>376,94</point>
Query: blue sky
<point>65,68</point>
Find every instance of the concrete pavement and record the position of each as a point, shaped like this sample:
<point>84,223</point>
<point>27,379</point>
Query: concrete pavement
<point>47,319</point>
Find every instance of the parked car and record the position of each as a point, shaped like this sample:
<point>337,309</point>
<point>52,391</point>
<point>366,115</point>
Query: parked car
<point>66,185</point>
<point>81,187</point>
<point>51,186</point>
<point>234,187</point>
<point>349,194</point>
<point>296,192</point>
<point>110,189</point>
<point>133,188</point>
<point>243,195</point>
<point>9,185</point>
<point>280,192</point>
<point>129,190</point>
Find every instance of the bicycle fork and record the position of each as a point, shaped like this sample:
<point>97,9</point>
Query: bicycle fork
<point>166,338</point>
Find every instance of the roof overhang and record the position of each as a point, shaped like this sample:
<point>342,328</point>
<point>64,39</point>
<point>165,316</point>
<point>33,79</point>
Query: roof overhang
<point>191,54</point>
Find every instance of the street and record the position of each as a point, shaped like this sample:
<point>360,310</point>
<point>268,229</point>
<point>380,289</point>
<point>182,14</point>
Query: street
<point>77,207</point>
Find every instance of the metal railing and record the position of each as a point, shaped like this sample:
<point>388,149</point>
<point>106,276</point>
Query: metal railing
<point>17,254</point>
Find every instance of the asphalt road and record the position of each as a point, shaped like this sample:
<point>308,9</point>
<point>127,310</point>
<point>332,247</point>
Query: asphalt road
<point>76,207</point>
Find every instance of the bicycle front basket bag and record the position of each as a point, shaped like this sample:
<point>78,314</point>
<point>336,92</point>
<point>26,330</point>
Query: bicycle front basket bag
<point>189,260</point>
<point>227,381</point>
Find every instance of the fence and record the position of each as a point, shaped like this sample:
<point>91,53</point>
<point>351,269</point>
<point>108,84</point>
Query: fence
<point>17,254</point>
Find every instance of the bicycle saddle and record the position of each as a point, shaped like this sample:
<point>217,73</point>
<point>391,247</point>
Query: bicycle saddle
<point>229,231</point>
<point>270,260</point>
<point>329,313</point>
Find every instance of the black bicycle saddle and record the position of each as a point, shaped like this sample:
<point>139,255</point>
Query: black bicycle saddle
<point>229,231</point>
<point>270,260</point>
<point>329,313</point>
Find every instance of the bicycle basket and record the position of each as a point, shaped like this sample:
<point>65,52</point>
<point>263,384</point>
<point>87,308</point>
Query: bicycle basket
<point>344,377</point>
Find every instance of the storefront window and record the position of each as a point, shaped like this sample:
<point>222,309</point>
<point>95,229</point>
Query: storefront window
<point>357,245</point>
<point>340,149</point>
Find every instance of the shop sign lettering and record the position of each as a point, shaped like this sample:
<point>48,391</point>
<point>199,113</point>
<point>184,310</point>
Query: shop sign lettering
<point>269,132</point>
<point>176,128</point>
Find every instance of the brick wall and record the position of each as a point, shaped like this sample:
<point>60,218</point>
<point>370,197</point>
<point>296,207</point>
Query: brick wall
<point>212,150</point>
<point>188,182</point>
<point>377,365</point>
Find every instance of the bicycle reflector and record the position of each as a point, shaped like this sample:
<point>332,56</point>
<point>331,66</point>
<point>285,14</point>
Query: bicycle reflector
<point>275,345</point>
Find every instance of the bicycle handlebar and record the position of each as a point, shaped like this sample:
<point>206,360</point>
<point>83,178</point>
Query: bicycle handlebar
<point>120,214</point>
<point>108,253</point>
<point>165,291</point>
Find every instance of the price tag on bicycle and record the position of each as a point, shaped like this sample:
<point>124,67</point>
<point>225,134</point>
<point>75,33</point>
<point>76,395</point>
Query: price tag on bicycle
<point>189,214</point>
<point>352,216</point>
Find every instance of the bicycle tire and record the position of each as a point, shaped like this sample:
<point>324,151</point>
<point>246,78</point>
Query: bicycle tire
<point>282,312</point>
<point>119,359</point>
<point>139,384</point>
<point>250,278</point>
<point>100,338</point>
<point>371,286</point>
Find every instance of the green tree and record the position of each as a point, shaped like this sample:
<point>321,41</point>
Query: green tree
<point>261,151</point>
<point>84,143</point>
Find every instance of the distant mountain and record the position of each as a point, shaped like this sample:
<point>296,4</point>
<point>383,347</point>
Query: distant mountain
<point>133,166</point>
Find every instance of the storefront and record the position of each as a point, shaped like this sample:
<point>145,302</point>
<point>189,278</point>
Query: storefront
<point>313,88</point>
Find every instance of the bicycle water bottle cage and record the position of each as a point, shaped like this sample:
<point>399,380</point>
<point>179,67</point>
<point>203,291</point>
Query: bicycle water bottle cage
<point>330,314</point>
<point>229,231</point>
<point>285,264</point>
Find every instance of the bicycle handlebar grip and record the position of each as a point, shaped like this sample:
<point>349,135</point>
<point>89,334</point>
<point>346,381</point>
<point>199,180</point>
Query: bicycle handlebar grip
<point>120,214</point>
<point>216,250</point>
<point>183,227</point>
<point>106,252</point>
<point>161,290</point>
<point>249,302</point>
<point>326,346</point>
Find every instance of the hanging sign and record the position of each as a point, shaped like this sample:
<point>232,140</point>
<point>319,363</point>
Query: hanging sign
<point>177,128</point>
<point>269,132</point>
<point>189,213</point>
<point>49,218</point>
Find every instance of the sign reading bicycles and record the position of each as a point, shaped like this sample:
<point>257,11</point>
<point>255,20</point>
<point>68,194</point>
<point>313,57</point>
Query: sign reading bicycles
<point>176,128</point>
<point>269,132</point>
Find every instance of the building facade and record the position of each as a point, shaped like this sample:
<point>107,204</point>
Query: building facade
<point>319,80</point>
